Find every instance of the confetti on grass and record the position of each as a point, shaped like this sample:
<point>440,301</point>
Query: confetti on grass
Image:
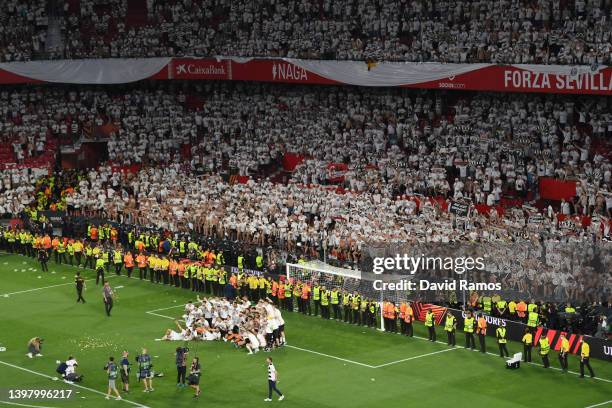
<point>92,342</point>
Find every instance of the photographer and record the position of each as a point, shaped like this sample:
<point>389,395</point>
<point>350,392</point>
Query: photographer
<point>194,376</point>
<point>34,346</point>
<point>144,370</point>
<point>43,258</point>
<point>125,372</point>
<point>112,370</point>
<point>181,365</point>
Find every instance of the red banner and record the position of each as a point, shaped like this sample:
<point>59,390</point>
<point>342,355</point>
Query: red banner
<point>581,79</point>
<point>556,189</point>
<point>512,79</point>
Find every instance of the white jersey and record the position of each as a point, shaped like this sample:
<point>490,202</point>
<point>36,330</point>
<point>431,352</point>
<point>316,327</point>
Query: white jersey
<point>278,317</point>
<point>271,372</point>
<point>174,336</point>
<point>253,340</point>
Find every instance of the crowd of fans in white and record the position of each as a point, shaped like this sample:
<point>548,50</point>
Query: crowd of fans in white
<point>500,31</point>
<point>23,29</point>
<point>258,327</point>
<point>400,147</point>
<point>396,143</point>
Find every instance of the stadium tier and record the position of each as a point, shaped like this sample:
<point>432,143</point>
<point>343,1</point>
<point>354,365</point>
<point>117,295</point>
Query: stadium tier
<point>330,203</point>
<point>542,32</point>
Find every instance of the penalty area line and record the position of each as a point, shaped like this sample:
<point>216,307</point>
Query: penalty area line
<point>414,357</point>
<point>72,384</point>
<point>165,308</point>
<point>330,356</point>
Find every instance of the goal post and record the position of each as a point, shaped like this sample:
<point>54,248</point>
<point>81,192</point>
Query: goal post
<point>349,280</point>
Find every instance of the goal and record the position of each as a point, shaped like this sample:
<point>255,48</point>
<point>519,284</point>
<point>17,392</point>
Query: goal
<point>368,285</point>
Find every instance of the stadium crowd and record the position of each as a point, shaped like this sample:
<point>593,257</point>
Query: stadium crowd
<point>478,147</point>
<point>378,166</point>
<point>501,31</point>
<point>23,30</point>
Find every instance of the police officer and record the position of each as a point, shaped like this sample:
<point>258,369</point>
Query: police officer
<point>346,306</point>
<point>468,328</point>
<point>563,352</point>
<point>500,333</point>
<point>335,302</point>
<point>450,326</point>
<point>316,298</point>
<point>544,350</point>
<point>585,351</point>
<point>80,285</point>
<point>527,341</point>
<point>100,269</point>
<point>324,303</point>
<point>430,324</point>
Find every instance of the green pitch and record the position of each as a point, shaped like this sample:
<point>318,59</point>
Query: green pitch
<point>327,363</point>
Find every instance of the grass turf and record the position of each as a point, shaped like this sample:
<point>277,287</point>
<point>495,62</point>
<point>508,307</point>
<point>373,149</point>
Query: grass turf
<point>327,363</point>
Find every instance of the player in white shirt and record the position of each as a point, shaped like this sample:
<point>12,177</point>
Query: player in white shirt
<point>253,343</point>
<point>272,380</point>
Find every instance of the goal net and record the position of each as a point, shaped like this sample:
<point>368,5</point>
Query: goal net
<point>368,285</point>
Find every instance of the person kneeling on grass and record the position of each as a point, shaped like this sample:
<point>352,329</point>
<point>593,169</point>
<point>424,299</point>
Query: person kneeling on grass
<point>194,376</point>
<point>251,343</point>
<point>70,375</point>
<point>113,371</point>
<point>67,369</point>
<point>34,346</point>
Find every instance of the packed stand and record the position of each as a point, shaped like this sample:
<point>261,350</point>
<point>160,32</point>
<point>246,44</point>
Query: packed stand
<point>407,155</point>
<point>23,30</point>
<point>505,31</point>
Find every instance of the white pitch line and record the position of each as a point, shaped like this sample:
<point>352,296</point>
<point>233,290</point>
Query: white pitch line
<point>165,308</point>
<point>160,315</point>
<point>599,405</point>
<point>35,289</point>
<point>330,356</point>
<point>23,405</point>
<point>414,357</point>
<point>48,287</point>
<point>72,384</point>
